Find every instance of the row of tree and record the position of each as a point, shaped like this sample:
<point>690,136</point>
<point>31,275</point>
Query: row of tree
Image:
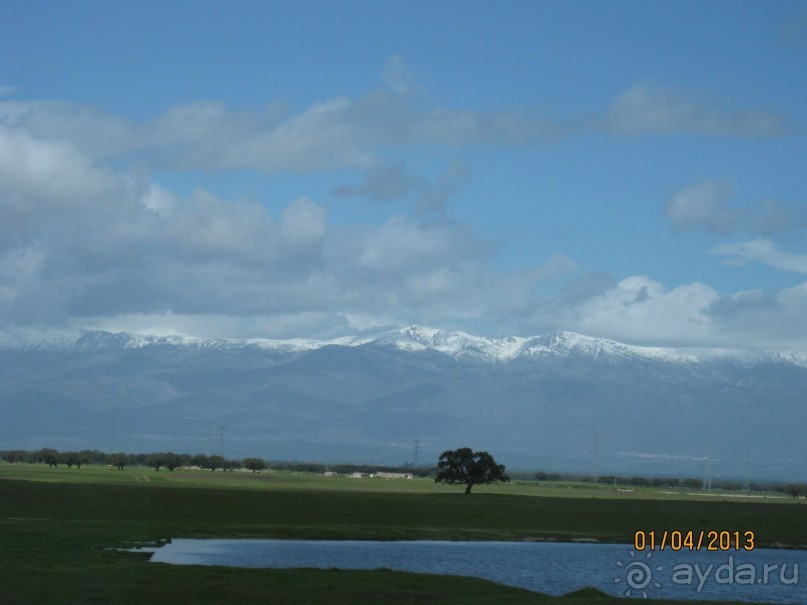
<point>688,483</point>
<point>674,482</point>
<point>120,460</point>
<point>53,457</point>
<point>172,460</point>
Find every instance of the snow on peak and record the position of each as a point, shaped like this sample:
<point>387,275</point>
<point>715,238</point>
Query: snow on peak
<point>415,338</point>
<point>461,345</point>
<point>456,344</point>
<point>570,343</point>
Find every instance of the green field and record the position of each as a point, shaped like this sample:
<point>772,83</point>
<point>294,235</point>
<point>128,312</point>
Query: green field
<point>60,529</point>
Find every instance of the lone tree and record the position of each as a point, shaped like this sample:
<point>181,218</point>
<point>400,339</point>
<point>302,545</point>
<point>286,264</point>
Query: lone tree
<point>463,465</point>
<point>796,490</point>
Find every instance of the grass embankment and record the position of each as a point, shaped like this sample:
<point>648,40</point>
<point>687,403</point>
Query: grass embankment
<point>57,535</point>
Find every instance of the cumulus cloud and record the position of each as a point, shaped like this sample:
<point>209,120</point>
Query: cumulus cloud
<point>643,311</point>
<point>775,319</point>
<point>48,171</point>
<point>80,240</point>
<point>105,243</point>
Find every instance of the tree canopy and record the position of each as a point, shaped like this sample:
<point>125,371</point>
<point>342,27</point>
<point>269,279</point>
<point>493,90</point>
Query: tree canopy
<point>117,460</point>
<point>254,464</point>
<point>470,468</point>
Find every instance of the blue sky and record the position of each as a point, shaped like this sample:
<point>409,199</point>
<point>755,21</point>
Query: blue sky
<point>631,170</point>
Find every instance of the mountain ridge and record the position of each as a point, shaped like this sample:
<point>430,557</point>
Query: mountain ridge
<point>415,338</point>
<point>536,402</point>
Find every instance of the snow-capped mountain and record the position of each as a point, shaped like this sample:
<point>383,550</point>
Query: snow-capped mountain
<point>453,344</point>
<point>458,345</point>
<point>534,402</point>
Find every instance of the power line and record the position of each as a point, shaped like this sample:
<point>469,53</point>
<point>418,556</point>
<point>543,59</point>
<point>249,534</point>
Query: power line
<point>707,475</point>
<point>595,472</point>
<point>747,481</point>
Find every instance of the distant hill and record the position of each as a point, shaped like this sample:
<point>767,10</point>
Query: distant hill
<point>533,402</point>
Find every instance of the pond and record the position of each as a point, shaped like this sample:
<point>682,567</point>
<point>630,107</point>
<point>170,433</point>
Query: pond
<point>764,575</point>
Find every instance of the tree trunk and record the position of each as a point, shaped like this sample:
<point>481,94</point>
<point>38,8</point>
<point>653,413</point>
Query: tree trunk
<point>468,488</point>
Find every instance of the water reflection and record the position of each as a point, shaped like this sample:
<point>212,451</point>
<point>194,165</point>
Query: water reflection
<point>770,576</point>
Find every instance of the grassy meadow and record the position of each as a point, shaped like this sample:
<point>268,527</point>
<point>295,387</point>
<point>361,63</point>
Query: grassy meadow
<point>61,529</point>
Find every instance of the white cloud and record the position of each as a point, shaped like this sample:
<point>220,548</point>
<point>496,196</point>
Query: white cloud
<point>159,201</point>
<point>519,291</point>
<point>390,183</point>
<point>303,223</point>
<point>18,267</point>
<point>707,205</point>
<point>47,170</point>
<point>278,325</point>
<point>765,252</point>
<point>398,76</point>
<point>401,243</point>
<point>97,134</point>
<point>343,132</point>
<point>774,320</point>
<point>113,252</point>
<point>383,183</point>
<point>646,110</point>
<point>83,241</point>
<point>642,310</point>
<point>703,205</point>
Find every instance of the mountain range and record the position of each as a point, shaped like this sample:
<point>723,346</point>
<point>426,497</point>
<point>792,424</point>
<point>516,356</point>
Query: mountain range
<point>560,401</point>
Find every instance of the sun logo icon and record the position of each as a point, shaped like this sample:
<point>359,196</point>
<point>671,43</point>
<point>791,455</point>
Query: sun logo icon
<point>638,575</point>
